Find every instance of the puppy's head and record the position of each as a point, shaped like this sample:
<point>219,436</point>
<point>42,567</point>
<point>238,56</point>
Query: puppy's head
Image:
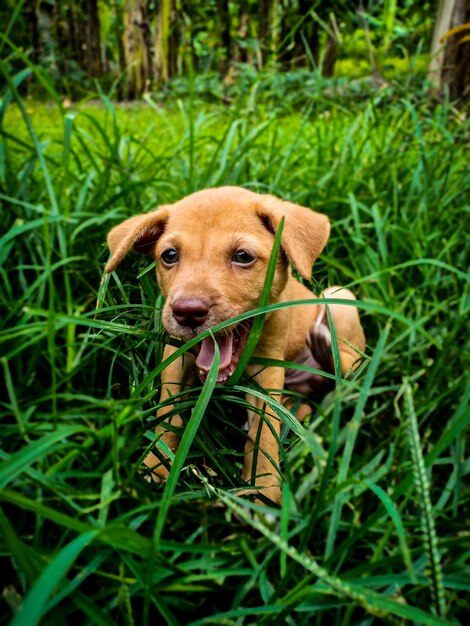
<point>212,251</point>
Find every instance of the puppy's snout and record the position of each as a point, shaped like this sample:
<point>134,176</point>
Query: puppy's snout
<point>190,312</point>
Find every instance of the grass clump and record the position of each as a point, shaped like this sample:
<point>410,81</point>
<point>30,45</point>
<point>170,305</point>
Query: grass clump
<point>83,537</point>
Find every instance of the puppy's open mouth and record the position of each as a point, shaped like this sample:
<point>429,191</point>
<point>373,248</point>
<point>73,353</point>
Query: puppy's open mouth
<point>231,343</point>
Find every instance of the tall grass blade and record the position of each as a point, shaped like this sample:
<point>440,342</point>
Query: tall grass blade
<point>424,501</point>
<point>180,457</point>
<point>258,323</point>
<point>185,443</point>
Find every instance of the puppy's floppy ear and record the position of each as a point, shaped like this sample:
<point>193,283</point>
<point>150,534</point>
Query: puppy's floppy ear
<point>304,235</point>
<point>139,233</point>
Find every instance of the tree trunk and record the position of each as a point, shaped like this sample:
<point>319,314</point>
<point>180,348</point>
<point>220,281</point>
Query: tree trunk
<point>331,55</point>
<point>456,65</point>
<point>76,39</point>
<point>450,57</point>
<point>32,18</point>
<point>162,44</point>
<point>137,48</point>
<point>241,54</point>
<point>149,52</point>
<point>119,34</point>
<point>175,40</point>
<point>275,28</point>
<point>93,39</point>
<point>264,29</point>
<point>225,36</point>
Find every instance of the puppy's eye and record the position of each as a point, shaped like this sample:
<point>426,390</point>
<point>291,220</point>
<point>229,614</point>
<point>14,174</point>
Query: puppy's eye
<point>242,257</point>
<point>169,257</point>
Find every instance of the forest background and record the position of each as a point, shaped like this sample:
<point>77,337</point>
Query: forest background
<point>138,46</point>
<point>355,109</point>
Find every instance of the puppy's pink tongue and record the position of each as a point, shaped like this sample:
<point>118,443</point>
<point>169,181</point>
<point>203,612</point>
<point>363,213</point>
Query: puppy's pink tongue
<point>206,355</point>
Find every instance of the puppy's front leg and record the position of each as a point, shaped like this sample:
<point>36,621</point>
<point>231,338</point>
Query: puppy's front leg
<point>264,426</point>
<point>174,378</point>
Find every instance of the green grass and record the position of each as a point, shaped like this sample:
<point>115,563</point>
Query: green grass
<point>374,521</point>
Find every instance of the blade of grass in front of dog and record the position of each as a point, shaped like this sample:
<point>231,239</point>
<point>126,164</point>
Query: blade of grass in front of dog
<point>177,465</point>
<point>334,347</point>
<point>258,323</point>
<point>258,360</point>
<point>139,390</point>
<point>184,445</point>
<point>287,417</point>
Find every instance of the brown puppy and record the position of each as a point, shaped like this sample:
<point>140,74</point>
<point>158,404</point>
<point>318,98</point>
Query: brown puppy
<point>212,250</point>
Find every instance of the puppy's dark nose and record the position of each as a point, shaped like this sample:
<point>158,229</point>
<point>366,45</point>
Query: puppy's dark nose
<point>190,312</point>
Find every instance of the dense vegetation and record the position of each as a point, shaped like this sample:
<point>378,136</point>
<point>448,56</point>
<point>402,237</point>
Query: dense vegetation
<point>374,502</point>
<point>373,526</point>
<point>132,47</point>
